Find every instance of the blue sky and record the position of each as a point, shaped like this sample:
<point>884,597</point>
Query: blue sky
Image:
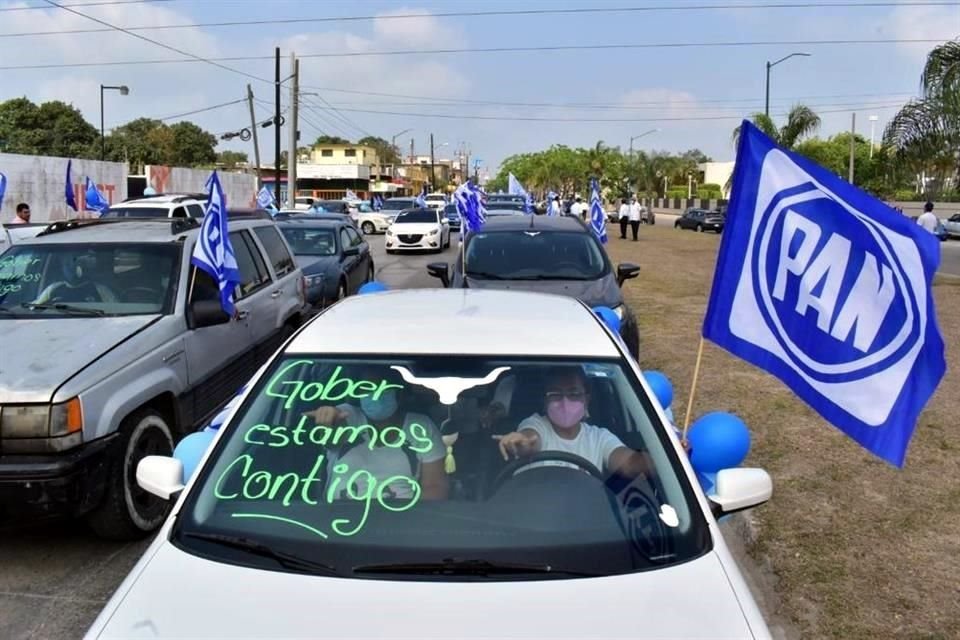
<point>676,90</point>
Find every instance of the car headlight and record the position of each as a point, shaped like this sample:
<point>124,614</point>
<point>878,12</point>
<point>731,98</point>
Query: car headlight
<point>389,231</point>
<point>434,232</point>
<point>41,420</point>
<point>315,280</point>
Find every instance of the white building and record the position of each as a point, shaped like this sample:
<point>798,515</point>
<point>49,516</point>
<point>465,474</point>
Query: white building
<point>718,173</point>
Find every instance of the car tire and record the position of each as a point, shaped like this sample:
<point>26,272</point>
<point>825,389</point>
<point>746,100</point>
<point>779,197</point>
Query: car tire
<point>127,511</point>
<point>371,273</point>
<point>368,228</point>
<point>676,225</point>
<point>700,228</point>
<point>631,337</point>
<point>342,290</point>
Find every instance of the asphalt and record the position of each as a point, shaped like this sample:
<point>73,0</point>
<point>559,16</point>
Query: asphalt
<point>950,258</point>
<point>55,577</point>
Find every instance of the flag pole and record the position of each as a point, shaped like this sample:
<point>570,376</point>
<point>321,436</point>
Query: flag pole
<point>693,392</point>
<point>193,281</point>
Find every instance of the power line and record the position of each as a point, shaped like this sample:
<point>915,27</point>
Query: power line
<point>85,4</point>
<point>657,45</point>
<point>499,13</point>
<point>155,42</point>
<point>332,124</point>
<point>347,120</point>
<point>203,109</point>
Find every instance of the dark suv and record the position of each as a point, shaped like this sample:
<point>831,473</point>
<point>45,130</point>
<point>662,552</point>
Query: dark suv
<point>700,220</point>
<point>547,254</point>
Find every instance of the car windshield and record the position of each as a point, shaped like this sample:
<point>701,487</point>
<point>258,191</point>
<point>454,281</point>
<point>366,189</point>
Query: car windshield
<point>535,255</point>
<point>396,205</point>
<point>136,212</point>
<point>383,467</point>
<point>57,280</point>
<point>310,242</point>
<point>450,210</point>
<point>417,215</point>
<point>502,199</point>
<point>505,205</point>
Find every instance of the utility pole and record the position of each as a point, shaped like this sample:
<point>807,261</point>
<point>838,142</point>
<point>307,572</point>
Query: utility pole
<point>276,128</point>
<point>853,133</point>
<point>411,151</point>
<point>292,152</point>
<point>256,141</point>
<point>433,167</point>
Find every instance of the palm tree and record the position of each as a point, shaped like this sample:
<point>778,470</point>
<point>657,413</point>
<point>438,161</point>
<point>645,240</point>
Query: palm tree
<point>801,122</point>
<point>925,133</point>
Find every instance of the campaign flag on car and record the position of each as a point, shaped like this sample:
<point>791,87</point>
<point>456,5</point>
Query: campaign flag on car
<point>68,188</point>
<point>208,185</point>
<point>93,200</point>
<point>421,200</point>
<point>213,252</point>
<point>3,189</point>
<point>351,195</point>
<point>377,202</point>
<point>514,187</point>
<point>828,289</point>
<point>597,220</point>
<point>469,201</point>
<point>265,198</point>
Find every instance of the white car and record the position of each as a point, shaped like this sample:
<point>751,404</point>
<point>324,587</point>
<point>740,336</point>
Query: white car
<point>436,201</point>
<point>371,222</point>
<point>352,523</point>
<point>418,229</point>
<point>165,206</point>
<point>952,226</point>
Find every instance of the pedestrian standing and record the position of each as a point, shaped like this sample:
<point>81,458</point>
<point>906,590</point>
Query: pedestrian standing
<point>578,209</point>
<point>927,219</point>
<point>624,218</point>
<point>23,214</point>
<point>555,206</point>
<point>634,215</point>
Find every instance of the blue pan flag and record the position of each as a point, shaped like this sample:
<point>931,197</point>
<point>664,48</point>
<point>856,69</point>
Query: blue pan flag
<point>68,188</point>
<point>3,189</point>
<point>94,200</point>
<point>421,200</point>
<point>598,221</point>
<point>515,188</point>
<point>829,290</point>
<point>265,198</point>
<point>469,201</point>
<point>213,252</point>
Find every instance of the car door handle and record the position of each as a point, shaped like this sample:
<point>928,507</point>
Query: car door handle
<point>243,315</point>
<point>276,294</point>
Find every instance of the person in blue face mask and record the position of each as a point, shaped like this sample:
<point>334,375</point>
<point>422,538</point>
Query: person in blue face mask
<point>421,456</point>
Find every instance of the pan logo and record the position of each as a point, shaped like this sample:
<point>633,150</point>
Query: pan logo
<point>833,294</point>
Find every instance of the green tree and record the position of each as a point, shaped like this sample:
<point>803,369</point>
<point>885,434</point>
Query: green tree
<point>801,122</point>
<point>385,151</point>
<point>51,129</point>
<point>231,159</point>
<point>325,139</point>
<point>192,146</point>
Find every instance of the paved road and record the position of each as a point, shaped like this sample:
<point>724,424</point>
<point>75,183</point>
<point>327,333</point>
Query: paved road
<point>56,577</point>
<point>950,257</point>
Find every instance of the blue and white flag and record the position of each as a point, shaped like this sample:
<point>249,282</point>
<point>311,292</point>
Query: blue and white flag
<point>598,221</point>
<point>68,194</point>
<point>469,201</point>
<point>207,186</point>
<point>93,200</point>
<point>265,198</point>
<point>828,289</point>
<point>351,195</point>
<point>514,187</point>
<point>421,200</point>
<point>213,252</point>
<point>377,202</point>
<point>3,189</point>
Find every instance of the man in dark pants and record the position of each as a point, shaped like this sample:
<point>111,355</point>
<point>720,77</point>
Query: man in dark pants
<point>634,217</point>
<point>624,218</point>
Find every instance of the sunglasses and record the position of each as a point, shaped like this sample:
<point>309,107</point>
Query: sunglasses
<point>573,396</point>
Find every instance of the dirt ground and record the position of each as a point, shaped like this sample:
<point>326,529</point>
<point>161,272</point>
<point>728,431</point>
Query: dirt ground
<point>849,546</point>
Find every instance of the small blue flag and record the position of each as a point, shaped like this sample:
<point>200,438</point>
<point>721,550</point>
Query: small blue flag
<point>264,198</point>
<point>514,187</point>
<point>213,252</point>
<point>377,202</point>
<point>68,188</point>
<point>469,200</point>
<point>598,221</point>
<point>3,189</point>
<point>829,290</point>
<point>351,195</point>
<point>421,200</point>
<point>93,199</point>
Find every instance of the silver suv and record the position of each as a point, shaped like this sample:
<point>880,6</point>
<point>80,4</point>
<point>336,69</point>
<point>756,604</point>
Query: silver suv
<point>114,347</point>
<point>163,206</point>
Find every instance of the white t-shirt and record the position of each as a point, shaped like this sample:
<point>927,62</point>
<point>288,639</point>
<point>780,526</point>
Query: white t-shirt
<point>624,211</point>
<point>385,462</point>
<point>577,209</point>
<point>634,212</point>
<point>594,444</point>
<point>928,221</point>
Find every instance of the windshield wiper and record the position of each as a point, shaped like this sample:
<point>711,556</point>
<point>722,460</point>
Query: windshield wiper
<point>467,568</point>
<point>485,275</point>
<point>59,306</point>
<point>544,277</point>
<point>286,560</point>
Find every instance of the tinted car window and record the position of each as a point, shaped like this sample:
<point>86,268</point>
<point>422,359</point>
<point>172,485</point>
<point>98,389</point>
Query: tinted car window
<point>397,204</point>
<point>253,272</point>
<point>276,250</point>
<point>310,242</point>
<point>355,239</point>
<point>555,255</point>
<point>344,238</point>
<point>417,215</point>
<point>136,212</point>
<point>195,210</point>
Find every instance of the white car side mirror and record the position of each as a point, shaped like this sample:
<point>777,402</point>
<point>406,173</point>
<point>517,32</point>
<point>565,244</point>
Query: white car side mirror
<point>740,488</point>
<point>160,475</point>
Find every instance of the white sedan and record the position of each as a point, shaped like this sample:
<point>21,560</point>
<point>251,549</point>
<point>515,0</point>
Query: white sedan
<point>418,229</point>
<point>364,489</point>
<point>952,226</point>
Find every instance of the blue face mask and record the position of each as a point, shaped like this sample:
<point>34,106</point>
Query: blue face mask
<point>381,408</point>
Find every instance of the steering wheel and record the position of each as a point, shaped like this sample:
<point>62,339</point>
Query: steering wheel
<point>57,286</point>
<point>146,294</point>
<point>556,456</point>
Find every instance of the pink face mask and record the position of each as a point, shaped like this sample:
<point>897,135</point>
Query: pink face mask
<point>566,413</point>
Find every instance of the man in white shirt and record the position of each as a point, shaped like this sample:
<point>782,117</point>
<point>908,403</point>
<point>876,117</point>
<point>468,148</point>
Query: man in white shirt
<point>634,214</point>
<point>561,428</point>
<point>554,209</point>
<point>624,218</point>
<point>578,208</point>
<point>927,219</point>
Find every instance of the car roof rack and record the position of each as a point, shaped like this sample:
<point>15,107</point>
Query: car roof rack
<point>174,197</point>
<point>75,223</point>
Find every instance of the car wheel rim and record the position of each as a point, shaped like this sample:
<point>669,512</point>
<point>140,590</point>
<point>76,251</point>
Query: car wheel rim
<point>149,438</point>
<point>367,228</point>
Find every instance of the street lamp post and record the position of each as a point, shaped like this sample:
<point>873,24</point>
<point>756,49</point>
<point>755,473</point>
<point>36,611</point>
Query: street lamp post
<point>645,133</point>
<point>873,123</point>
<point>771,65</point>
<point>124,90</point>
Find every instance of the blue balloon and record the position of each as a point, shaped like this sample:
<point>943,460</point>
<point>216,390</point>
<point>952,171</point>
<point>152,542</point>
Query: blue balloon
<point>372,287</point>
<point>609,318</point>
<point>718,441</point>
<point>662,387</point>
<point>191,449</point>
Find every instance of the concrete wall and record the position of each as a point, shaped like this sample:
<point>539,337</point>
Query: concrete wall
<point>676,206</point>
<point>40,180</point>
<point>239,188</point>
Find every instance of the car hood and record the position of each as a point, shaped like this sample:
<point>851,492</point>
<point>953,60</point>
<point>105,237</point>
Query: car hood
<point>315,264</point>
<point>39,355</point>
<point>591,292</point>
<point>691,600</point>
<point>413,228</point>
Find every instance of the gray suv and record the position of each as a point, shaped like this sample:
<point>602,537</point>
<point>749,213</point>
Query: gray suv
<point>114,347</point>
